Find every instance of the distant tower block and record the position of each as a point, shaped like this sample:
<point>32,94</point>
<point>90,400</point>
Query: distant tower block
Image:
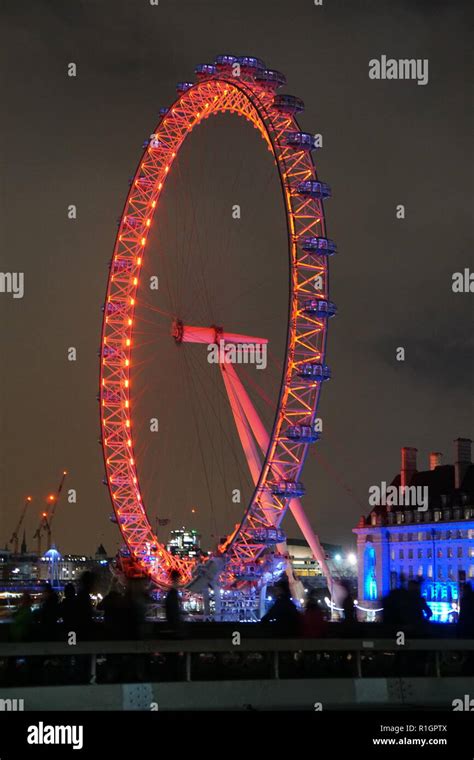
<point>408,465</point>
<point>435,459</point>
<point>462,459</point>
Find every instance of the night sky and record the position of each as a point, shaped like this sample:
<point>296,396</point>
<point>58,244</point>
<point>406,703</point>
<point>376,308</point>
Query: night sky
<point>77,141</point>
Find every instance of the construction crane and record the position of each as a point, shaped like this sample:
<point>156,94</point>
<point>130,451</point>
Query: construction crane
<point>42,528</point>
<point>15,535</point>
<point>46,518</point>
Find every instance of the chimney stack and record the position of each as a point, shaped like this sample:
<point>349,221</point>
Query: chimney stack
<point>435,459</point>
<point>462,459</point>
<point>408,465</point>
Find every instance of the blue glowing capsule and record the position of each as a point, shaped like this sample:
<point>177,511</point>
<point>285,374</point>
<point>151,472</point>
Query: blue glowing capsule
<point>319,245</point>
<point>314,189</point>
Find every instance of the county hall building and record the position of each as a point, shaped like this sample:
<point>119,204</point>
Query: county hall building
<point>435,543</point>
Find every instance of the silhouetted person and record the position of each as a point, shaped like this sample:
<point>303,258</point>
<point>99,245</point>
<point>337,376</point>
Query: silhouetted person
<point>466,613</point>
<point>84,622</point>
<point>84,606</point>
<point>173,604</point>
<point>115,627</point>
<point>348,606</point>
<point>415,610</point>
<point>313,624</point>
<point>113,607</point>
<point>20,629</point>
<point>395,604</point>
<point>48,612</point>
<point>68,608</point>
<point>132,627</point>
<point>134,608</point>
<point>283,616</point>
<point>391,614</point>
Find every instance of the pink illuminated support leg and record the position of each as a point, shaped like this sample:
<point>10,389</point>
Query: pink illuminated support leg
<point>243,429</point>
<point>263,440</point>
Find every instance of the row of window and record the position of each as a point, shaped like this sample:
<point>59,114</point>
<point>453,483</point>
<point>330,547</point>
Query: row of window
<point>430,535</point>
<point>437,515</point>
<point>450,552</point>
<point>452,573</point>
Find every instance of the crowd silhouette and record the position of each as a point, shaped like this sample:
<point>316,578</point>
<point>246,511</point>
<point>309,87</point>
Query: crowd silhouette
<point>123,612</point>
<point>406,607</point>
<point>81,615</point>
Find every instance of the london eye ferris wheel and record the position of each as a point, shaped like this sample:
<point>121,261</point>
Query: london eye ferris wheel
<point>273,449</point>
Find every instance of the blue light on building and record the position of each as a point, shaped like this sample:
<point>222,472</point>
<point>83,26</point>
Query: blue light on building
<point>370,583</point>
<point>434,544</point>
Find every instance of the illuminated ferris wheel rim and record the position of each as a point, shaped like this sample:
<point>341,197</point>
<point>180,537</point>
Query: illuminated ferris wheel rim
<point>251,94</point>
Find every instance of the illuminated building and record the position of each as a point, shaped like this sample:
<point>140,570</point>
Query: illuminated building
<point>434,544</point>
<point>24,571</point>
<point>28,572</point>
<point>303,562</point>
<point>69,567</point>
<point>52,560</point>
<point>184,543</point>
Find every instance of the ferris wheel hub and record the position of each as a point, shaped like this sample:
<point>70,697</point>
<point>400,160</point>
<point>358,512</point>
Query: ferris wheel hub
<point>177,330</point>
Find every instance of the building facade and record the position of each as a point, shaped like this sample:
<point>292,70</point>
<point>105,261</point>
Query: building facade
<point>303,562</point>
<point>423,529</point>
<point>184,542</point>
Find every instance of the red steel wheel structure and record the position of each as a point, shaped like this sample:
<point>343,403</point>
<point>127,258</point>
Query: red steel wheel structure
<point>245,87</point>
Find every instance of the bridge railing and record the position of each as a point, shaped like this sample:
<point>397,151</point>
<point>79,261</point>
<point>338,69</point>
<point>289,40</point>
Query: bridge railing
<point>41,663</point>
